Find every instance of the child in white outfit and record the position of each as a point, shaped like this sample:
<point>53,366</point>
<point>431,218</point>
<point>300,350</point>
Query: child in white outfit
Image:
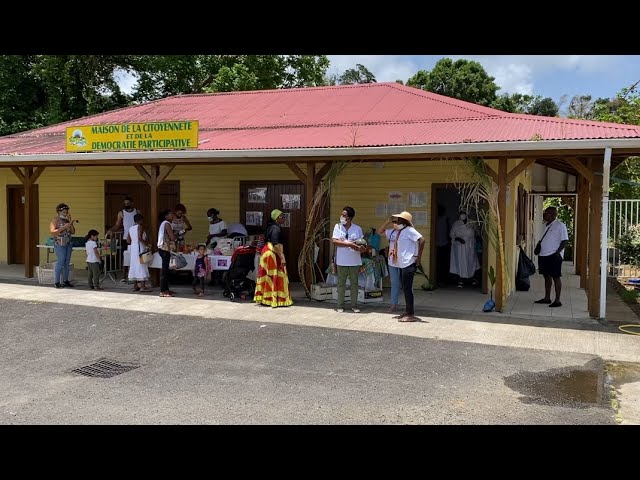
<point>94,259</point>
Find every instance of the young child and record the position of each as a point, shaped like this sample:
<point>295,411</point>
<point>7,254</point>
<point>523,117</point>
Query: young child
<point>201,270</point>
<point>93,259</point>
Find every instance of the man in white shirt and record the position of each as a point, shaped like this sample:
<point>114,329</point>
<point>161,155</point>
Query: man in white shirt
<point>348,260</point>
<point>554,239</point>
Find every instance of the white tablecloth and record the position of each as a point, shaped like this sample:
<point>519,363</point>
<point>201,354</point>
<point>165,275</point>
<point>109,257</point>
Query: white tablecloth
<point>218,262</point>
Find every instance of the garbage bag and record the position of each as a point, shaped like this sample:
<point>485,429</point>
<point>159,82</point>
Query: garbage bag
<point>523,284</point>
<point>526,268</point>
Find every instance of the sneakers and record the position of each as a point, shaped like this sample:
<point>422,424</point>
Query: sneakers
<point>340,310</point>
<point>67,283</point>
<point>58,285</point>
<point>355,310</point>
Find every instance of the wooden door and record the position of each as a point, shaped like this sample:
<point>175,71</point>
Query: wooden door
<point>139,191</point>
<point>15,222</point>
<point>259,198</point>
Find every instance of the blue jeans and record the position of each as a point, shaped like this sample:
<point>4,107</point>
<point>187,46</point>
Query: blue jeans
<point>63,254</point>
<point>394,275</point>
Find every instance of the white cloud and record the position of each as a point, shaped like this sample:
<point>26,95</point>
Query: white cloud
<point>386,68</point>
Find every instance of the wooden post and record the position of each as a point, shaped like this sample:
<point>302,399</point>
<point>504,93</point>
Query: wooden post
<point>28,179</point>
<point>310,190</point>
<point>153,179</point>
<point>582,230</point>
<point>595,224</point>
<point>502,210</point>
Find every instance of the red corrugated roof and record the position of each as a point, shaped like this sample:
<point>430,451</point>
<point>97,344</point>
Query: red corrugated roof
<point>377,114</point>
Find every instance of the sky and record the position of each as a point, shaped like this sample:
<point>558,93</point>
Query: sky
<point>547,75</point>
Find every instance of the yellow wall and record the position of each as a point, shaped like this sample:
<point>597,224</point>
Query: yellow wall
<point>365,185</point>
<point>362,186</point>
<point>201,187</point>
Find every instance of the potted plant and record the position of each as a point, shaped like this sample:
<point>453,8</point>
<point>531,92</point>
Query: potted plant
<point>428,285</point>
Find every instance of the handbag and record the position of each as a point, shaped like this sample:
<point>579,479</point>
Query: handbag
<point>146,257</point>
<point>177,261</point>
<point>536,251</point>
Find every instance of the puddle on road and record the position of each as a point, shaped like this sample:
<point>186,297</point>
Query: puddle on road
<point>579,386</point>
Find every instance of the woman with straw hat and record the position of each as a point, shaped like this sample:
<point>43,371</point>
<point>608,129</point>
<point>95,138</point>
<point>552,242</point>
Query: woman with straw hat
<point>405,253</point>
<point>272,282</point>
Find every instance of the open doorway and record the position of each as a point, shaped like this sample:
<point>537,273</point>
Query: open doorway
<point>445,212</point>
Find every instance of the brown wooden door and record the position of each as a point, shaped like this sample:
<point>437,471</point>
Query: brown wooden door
<point>139,191</point>
<point>15,222</point>
<point>251,198</point>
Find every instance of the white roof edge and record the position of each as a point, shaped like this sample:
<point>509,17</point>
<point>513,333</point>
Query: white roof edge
<point>309,153</point>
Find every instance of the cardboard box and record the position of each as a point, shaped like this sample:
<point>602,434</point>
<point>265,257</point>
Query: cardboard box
<point>374,296</point>
<point>321,291</point>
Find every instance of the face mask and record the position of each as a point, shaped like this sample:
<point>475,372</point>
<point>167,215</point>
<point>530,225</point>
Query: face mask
<point>343,220</point>
<point>400,226</point>
<point>210,219</point>
<point>463,216</point>
<point>62,216</point>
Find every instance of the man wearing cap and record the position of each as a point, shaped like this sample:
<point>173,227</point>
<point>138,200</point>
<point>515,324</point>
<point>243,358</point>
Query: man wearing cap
<point>405,253</point>
<point>272,282</point>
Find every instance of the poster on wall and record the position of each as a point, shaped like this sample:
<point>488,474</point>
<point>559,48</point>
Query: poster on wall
<point>417,199</point>
<point>385,210</point>
<point>395,196</point>
<point>419,219</point>
<point>254,219</point>
<point>287,220</point>
<point>290,201</point>
<point>258,195</point>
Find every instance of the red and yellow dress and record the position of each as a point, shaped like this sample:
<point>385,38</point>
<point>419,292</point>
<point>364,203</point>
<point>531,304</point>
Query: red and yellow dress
<point>272,282</point>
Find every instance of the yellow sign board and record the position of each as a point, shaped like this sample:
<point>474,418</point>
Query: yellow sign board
<point>177,135</point>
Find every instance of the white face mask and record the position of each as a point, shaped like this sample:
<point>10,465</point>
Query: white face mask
<point>463,216</point>
<point>343,221</point>
<point>400,226</point>
<point>210,219</point>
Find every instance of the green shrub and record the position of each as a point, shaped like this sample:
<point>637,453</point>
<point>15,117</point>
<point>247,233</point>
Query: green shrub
<point>629,246</point>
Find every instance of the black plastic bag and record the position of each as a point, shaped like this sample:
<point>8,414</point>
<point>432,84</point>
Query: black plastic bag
<point>523,284</point>
<point>526,268</point>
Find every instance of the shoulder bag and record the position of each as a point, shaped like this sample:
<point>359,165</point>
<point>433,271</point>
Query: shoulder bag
<point>536,251</point>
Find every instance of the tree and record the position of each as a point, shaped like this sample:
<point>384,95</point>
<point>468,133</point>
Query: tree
<point>580,107</point>
<point>164,75</point>
<point>520,103</point>
<point>360,74</point>
<point>21,95</point>
<point>463,79</point>
<point>545,107</point>
<point>624,108</point>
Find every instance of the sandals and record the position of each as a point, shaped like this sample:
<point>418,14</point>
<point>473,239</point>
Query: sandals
<point>166,294</point>
<point>201,294</point>
<point>402,315</point>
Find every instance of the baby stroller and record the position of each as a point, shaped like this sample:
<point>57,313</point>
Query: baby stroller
<point>235,279</point>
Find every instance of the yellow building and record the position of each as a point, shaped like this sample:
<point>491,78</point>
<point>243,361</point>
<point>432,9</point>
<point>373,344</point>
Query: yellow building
<point>246,153</point>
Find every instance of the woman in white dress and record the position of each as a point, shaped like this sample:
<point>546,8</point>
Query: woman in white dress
<point>138,271</point>
<point>464,260</point>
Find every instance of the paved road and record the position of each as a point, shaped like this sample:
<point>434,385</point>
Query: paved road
<point>197,370</point>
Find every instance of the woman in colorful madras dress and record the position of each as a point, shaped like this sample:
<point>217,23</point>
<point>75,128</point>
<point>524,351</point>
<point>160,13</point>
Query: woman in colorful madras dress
<point>272,283</point>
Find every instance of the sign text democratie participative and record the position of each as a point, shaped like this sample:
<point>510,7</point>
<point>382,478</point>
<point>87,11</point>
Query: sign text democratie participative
<point>133,136</point>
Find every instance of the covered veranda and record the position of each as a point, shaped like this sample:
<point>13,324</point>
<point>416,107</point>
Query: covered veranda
<point>589,160</point>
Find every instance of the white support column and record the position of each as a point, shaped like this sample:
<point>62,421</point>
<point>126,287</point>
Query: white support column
<point>604,250</point>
